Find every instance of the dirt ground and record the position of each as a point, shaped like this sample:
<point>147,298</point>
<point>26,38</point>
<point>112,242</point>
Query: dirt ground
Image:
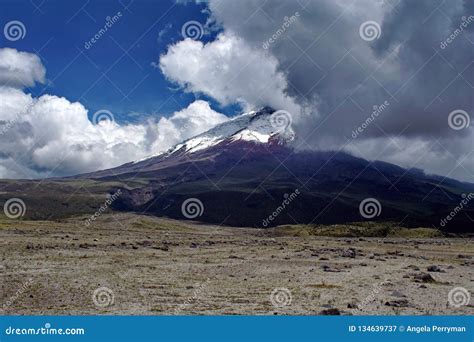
<point>125,264</point>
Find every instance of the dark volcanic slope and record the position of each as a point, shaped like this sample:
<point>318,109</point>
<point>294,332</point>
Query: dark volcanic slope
<point>242,183</point>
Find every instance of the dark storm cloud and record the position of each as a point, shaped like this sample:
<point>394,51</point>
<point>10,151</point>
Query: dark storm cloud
<point>415,65</point>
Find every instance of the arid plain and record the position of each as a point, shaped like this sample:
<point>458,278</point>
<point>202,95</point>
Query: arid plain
<point>155,266</point>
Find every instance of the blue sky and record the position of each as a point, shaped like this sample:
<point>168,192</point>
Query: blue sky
<point>116,72</point>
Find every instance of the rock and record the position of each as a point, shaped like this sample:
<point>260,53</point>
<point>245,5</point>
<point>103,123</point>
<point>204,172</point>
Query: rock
<point>327,268</point>
<point>397,303</point>
<point>397,294</point>
<point>323,258</point>
<point>424,278</point>
<point>434,268</point>
<point>352,306</point>
<point>331,312</point>
<point>349,253</point>
<point>193,245</point>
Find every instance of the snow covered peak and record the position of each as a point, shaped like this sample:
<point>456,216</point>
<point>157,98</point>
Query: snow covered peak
<point>257,126</point>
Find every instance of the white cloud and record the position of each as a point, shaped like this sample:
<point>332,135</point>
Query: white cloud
<point>228,70</point>
<point>50,136</point>
<point>20,69</point>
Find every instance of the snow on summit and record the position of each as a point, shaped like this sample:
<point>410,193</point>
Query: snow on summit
<point>255,126</point>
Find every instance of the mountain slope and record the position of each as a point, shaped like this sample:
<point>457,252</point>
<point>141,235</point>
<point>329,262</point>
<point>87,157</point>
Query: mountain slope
<point>244,173</point>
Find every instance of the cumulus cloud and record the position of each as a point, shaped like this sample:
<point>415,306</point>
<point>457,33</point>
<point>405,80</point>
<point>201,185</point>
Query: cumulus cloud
<point>228,70</point>
<point>20,69</point>
<point>51,136</point>
<point>320,63</point>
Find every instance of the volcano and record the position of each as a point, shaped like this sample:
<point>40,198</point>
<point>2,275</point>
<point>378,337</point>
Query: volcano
<point>245,172</point>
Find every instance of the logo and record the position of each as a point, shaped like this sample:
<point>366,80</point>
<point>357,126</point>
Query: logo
<point>458,297</point>
<point>103,297</point>
<point>103,116</point>
<point>281,297</point>
<point>370,208</point>
<point>192,29</point>
<point>14,208</point>
<point>280,120</point>
<point>14,30</point>
<point>459,119</point>
<point>369,31</point>
<point>192,208</point>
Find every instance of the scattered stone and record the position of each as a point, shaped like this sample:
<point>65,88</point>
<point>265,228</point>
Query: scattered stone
<point>424,278</point>
<point>434,268</point>
<point>145,243</point>
<point>422,286</point>
<point>397,303</point>
<point>327,268</point>
<point>323,258</point>
<point>349,253</point>
<point>331,312</point>
<point>193,245</point>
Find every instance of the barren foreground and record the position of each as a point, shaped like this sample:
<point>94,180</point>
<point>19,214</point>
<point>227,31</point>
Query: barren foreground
<point>130,264</point>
